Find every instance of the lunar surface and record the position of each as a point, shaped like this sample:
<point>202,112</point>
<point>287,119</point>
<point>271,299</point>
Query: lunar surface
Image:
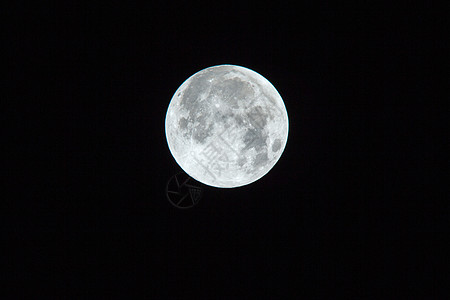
<point>226,126</point>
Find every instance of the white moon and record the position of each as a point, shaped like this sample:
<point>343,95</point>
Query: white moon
<point>226,126</point>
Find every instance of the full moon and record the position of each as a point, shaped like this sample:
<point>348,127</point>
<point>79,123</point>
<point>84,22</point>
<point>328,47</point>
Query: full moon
<point>226,126</point>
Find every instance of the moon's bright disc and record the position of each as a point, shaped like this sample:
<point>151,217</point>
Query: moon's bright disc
<point>226,126</point>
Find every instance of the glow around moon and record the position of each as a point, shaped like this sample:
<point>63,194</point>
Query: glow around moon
<point>226,126</point>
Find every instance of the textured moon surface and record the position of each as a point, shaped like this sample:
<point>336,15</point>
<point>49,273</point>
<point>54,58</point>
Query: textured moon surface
<point>226,126</point>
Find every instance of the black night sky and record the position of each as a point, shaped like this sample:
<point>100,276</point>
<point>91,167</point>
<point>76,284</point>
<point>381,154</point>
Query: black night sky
<point>341,214</point>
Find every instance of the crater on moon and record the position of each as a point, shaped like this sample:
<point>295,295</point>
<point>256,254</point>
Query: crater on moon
<point>276,145</point>
<point>226,126</point>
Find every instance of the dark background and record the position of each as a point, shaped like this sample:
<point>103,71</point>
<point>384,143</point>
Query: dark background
<point>352,208</point>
